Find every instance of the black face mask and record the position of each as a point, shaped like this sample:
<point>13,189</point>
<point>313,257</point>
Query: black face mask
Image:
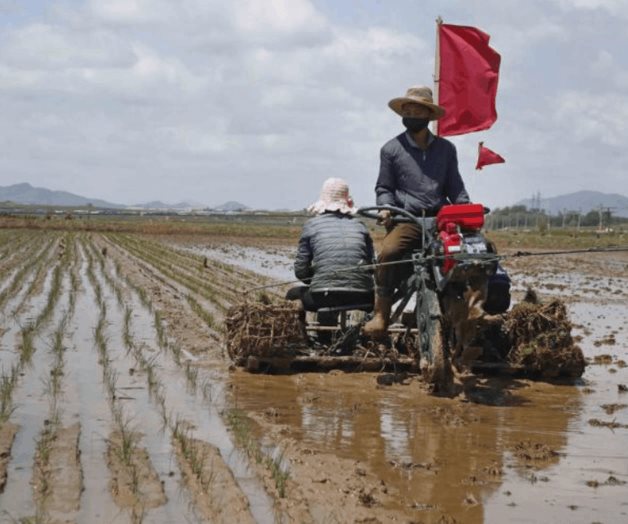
<point>415,125</point>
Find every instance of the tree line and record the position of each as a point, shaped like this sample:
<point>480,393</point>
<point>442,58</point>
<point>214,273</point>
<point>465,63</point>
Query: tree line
<point>522,217</point>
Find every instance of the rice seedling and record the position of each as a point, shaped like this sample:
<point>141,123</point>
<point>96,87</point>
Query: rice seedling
<point>111,381</point>
<point>128,442</point>
<point>194,455</point>
<point>127,338</point>
<point>27,346</point>
<point>206,390</point>
<point>162,340</point>
<point>28,264</point>
<point>205,315</point>
<point>53,296</point>
<point>241,429</point>
<point>278,471</point>
<point>8,381</point>
<point>191,374</point>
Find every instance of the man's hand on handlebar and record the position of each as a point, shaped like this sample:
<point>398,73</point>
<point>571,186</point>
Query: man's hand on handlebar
<point>385,218</point>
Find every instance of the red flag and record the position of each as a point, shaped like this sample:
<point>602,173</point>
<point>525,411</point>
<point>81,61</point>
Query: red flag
<point>487,157</point>
<point>468,74</point>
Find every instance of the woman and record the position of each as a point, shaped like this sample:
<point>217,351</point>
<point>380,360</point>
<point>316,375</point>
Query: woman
<point>332,247</point>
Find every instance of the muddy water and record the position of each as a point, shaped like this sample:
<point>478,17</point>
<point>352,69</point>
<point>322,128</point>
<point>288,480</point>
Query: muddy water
<point>512,450</point>
<point>275,262</point>
<point>86,397</point>
<point>137,406</point>
<point>32,399</point>
<point>207,422</point>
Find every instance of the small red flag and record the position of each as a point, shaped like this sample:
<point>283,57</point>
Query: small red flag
<point>467,81</point>
<point>487,157</point>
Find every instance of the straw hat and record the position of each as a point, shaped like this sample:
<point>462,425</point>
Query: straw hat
<point>417,95</point>
<point>334,197</point>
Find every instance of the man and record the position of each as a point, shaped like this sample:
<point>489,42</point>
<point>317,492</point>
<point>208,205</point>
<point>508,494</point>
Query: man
<point>419,173</point>
<point>332,247</point>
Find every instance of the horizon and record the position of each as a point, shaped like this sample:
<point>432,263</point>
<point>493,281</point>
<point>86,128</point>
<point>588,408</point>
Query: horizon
<point>200,205</point>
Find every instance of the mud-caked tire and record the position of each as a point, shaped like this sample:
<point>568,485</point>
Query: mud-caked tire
<point>435,361</point>
<point>439,373</point>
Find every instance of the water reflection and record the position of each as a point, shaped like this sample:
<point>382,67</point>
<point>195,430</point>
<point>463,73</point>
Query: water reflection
<point>441,455</point>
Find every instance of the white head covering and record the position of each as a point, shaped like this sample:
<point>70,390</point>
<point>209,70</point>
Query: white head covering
<point>334,197</point>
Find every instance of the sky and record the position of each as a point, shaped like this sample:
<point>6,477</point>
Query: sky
<point>260,101</point>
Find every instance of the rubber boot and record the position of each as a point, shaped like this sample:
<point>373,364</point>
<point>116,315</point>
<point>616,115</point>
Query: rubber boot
<point>377,326</point>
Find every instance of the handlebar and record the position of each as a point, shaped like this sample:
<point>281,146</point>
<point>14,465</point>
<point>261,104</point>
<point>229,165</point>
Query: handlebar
<point>398,215</point>
<point>402,214</point>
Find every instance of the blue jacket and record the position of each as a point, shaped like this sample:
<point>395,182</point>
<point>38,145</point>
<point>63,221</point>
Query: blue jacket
<point>416,180</point>
<point>329,246</point>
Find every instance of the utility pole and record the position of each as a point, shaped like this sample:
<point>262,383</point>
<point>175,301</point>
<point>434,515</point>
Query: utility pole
<point>607,217</point>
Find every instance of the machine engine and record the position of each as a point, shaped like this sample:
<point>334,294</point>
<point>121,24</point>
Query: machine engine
<point>458,233</point>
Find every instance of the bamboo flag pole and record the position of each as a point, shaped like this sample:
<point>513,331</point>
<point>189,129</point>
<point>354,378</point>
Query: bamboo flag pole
<point>439,21</point>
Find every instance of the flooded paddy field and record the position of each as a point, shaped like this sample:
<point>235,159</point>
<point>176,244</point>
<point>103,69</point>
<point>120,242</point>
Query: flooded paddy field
<point>118,403</point>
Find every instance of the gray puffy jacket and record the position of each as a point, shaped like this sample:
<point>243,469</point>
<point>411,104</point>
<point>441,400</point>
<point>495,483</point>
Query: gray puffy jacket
<point>330,243</point>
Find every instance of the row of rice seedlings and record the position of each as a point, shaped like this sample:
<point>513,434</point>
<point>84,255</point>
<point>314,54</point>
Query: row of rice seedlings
<point>40,270</point>
<point>230,278</point>
<point>206,316</point>
<point>191,371</point>
<point>128,444</point>
<point>193,455</point>
<point>8,381</point>
<point>240,425</point>
<point>138,290</point>
<point>194,265</point>
<point>219,271</point>
<point>12,257</point>
<point>129,438</point>
<point>31,260</point>
<point>28,332</point>
<point>99,257</point>
<point>202,313</point>
<point>49,433</point>
<point>200,286</point>
<point>162,340</point>
<point>75,280</point>
<point>149,367</point>
<point>178,427</point>
<point>15,243</point>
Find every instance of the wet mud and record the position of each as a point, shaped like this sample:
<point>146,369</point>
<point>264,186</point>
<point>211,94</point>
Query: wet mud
<point>57,477</point>
<point>7,434</point>
<point>134,482</point>
<point>486,454</point>
<point>211,482</point>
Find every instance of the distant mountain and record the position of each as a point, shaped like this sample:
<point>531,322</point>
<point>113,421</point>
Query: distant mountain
<point>583,201</point>
<point>231,206</point>
<point>27,194</point>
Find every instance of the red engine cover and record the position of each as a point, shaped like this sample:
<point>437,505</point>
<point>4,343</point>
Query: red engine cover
<point>452,244</point>
<point>467,216</point>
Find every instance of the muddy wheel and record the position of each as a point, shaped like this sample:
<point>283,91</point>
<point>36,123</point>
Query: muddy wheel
<point>435,362</point>
<point>438,372</point>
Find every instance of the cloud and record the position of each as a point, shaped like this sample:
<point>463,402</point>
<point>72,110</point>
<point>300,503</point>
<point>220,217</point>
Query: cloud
<point>260,101</point>
<point>614,7</point>
<point>590,117</point>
